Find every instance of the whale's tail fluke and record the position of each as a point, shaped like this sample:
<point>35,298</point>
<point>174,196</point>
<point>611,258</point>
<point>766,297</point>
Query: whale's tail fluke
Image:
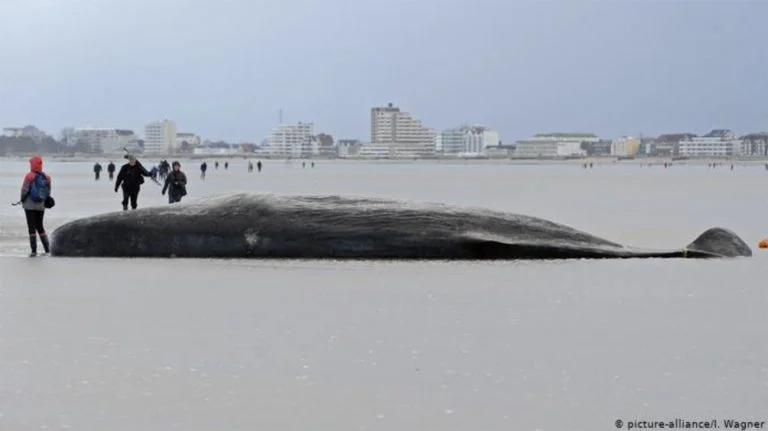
<point>718,242</point>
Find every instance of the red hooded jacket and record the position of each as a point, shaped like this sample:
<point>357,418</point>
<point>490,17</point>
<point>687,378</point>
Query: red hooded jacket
<point>35,166</point>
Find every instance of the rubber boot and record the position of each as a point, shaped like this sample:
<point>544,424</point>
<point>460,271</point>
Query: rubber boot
<point>33,245</point>
<point>44,240</point>
<point>125,207</point>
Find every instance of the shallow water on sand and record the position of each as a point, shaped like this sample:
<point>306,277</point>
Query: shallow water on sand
<point>126,344</point>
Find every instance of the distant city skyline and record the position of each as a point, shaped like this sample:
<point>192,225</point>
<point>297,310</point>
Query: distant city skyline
<point>224,70</point>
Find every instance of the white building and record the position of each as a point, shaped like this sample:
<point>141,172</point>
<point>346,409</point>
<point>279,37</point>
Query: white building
<point>397,134</point>
<point>466,141</point>
<point>450,141</point>
<point>717,143</point>
<point>754,145</point>
<point>160,137</point>
<point>103,140</point>
<point>293,140</point>
<point>555,145</point>
<point>208,151</point>
<point>478,139</point>
<point>189,138</point>
<point>625,146</point>
<point>349,147</point>
<point>128,140</point>
<point>68,136</point>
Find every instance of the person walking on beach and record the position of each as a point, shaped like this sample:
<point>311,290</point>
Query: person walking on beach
<point>97,170</point>
<point>35,190</point>
<point>131,177</point>
<point>111,170</point>
<point>203,168</point>
<point>164,169</point>
<point>175,184</point>
<point>258,165</point>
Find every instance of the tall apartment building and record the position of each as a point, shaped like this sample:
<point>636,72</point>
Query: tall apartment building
<point>160,137</point>
<point>292,140</point>
<point>466,141</point>
<point>398,134</point>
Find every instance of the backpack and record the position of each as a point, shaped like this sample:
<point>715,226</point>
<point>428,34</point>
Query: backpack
<point>41,188</point>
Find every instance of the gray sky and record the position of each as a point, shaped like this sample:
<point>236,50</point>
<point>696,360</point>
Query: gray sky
<point>223,68</point>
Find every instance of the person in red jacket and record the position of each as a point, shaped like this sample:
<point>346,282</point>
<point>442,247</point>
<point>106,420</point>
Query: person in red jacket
<point>35,188</point>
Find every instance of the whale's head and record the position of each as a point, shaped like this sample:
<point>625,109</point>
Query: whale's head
<point>719,242</point>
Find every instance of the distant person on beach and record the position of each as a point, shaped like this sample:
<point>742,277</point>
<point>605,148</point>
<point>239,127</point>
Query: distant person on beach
<point>164,168</point>
<point>97,170</point>
<point>250,166</point>
<point>111,170</point>
<point>258,166</point>
<point>175,184</point>
<point>226,165</point>
<point>203,168</point>
<point>35,188</point>
<point>131,177</point>
<point>216,165</point>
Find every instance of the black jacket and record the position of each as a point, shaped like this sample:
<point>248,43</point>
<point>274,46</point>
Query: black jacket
<point>131,177</point>
<point>176,184</point>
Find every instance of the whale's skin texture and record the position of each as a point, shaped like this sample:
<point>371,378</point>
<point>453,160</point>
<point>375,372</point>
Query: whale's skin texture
<point>315,227</point>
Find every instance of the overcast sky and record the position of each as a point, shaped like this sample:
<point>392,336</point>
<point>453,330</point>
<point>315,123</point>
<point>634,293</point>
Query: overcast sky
<point>224,68</point>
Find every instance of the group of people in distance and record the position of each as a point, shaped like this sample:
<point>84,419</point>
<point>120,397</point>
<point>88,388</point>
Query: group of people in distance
<point>204,167</point>
<point>36,192</point>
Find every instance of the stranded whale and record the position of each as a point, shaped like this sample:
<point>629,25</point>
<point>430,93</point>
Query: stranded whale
<point>264,226</point>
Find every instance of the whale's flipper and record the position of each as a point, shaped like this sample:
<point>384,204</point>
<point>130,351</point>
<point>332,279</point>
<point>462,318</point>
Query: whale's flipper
<point>719,242</point>
<point>481,245</point>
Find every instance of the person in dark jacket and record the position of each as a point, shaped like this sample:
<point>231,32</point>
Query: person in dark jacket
<point>111,170</point>
<point>131,178</point>
<point>175,184</point>
<point>97,170</point>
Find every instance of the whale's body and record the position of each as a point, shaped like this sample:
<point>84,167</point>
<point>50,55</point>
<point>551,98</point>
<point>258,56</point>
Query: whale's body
<point>269,226</point>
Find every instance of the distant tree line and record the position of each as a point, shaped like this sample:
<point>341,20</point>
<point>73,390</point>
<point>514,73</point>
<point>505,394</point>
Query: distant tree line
<point>27,144</point>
